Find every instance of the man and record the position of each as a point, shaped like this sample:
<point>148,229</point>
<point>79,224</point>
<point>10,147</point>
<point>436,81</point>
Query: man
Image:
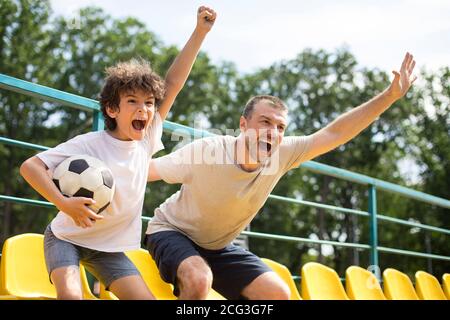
<point>226,180</point>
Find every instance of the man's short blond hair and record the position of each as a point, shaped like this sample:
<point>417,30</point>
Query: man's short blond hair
<point>271,100</point>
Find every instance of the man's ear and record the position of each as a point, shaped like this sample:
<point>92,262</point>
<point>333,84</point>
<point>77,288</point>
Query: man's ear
<point>243,124</point>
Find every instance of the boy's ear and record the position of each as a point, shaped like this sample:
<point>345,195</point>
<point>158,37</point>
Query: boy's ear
<point>112,112</point>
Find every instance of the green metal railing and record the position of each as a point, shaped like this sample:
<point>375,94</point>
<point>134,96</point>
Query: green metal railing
<point>373,185</point>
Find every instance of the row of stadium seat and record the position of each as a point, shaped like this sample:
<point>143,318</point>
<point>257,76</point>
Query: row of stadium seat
<point>321,282</point>
<point>24,276</point>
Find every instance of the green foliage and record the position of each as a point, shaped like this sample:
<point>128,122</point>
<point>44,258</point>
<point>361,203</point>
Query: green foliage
<point>317,86</point>
<point>21,117</point>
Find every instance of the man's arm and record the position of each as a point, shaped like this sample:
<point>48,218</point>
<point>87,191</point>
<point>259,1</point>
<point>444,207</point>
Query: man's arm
<point>182,65</point>
<point>351,123</point>
<point>177,166</point>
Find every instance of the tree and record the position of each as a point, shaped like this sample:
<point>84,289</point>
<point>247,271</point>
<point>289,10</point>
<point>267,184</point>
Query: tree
<point>427,142</point>
<point>21,117</point>
<point>72,58</point>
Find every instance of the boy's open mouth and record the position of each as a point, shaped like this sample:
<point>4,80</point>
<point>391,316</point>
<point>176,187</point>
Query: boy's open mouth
<point>138,124</point>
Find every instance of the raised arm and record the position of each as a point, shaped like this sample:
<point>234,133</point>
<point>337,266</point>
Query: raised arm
<point>351,123</point>
<point>182,65</point>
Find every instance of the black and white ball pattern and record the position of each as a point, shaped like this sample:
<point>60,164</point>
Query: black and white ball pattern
<point>86,176</point>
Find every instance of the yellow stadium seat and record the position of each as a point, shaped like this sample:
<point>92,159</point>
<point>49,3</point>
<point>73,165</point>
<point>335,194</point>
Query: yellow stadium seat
<point>428,287</point>
<point>446,284</point>
<point>320,282</point>
<point>284,273</point>
<point>8,297</point>
<point>214,295</point>
<point>87,293</point>
<point>398,286</point>
<point>150,273</point>
<point>23,272</point>
<point>361,284</point>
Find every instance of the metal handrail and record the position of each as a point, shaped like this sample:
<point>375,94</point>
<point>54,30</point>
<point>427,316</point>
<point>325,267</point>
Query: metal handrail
<point>274,197</point>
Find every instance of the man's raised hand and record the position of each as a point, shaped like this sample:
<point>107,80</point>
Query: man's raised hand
<point>403,79</point>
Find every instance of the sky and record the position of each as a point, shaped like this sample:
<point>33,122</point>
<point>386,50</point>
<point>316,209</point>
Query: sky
<point>256,33</point>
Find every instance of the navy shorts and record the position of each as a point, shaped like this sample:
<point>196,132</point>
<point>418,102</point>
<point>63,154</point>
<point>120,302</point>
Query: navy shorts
<point>105,266</point>
<point>233,267</point>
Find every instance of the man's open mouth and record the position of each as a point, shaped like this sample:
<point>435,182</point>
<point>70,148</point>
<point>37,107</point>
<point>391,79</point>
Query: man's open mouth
<point>266,146</point>
<point>138,124</point>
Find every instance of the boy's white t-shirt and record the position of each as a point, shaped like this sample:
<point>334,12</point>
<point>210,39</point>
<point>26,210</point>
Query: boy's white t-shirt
<point>120,229</point>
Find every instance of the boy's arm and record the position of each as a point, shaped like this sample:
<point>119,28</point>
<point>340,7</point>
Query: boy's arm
<point>34,171</point>
<point>351,123</point>
<point>153,175</point>
<point>182,65</point>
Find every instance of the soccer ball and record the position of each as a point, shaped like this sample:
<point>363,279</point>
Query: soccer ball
<point>85,176</point>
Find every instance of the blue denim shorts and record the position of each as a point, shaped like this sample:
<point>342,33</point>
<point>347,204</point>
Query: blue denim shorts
<point>105,266</point>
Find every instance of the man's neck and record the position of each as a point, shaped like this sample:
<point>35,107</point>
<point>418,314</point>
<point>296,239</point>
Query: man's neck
<point>242,156</point>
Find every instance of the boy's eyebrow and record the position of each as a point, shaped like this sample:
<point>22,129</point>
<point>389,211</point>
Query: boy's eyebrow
<point>134,96</point>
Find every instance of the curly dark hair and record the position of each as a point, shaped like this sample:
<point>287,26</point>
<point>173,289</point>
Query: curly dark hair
<point>129,76</point>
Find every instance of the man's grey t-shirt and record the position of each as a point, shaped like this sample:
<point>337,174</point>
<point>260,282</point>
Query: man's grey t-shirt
<point>218,199</point>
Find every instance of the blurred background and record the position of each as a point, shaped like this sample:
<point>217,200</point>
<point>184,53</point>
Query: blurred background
<point>321,57</point>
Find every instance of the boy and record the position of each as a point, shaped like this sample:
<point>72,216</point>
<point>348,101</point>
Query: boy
<point>133,134</point>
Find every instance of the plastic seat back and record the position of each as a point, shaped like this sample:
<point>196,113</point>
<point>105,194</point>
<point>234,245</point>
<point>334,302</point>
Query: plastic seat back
<point>284,273</point>
<point>23,271</point>
<point>428,287</point>
<point>87,293</point>
<point>320,282</point>
<point>150,273</point>
<point>398,286</point>
<point>361,284</point>
<point>446,284</point>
